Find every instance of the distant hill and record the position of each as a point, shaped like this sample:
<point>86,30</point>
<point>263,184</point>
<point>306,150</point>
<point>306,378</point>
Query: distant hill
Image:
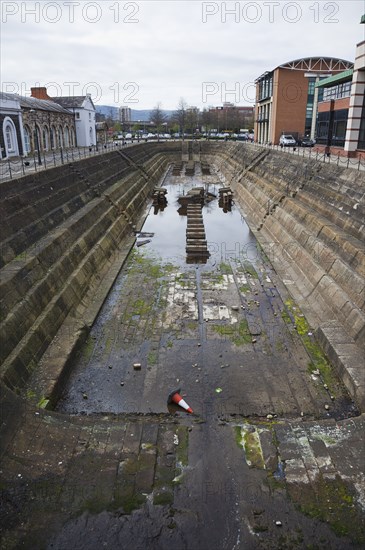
<point>137,114</point>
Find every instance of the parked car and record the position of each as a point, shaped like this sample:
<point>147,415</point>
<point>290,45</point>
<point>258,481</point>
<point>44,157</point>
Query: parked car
<point>128,136</point>
<point>306,142</point>
<point>287,140</point>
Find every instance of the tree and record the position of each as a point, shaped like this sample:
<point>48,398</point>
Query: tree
<point>158,118</point>
<point>180,115</point>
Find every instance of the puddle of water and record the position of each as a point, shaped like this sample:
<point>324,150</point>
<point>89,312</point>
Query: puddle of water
<point>227,233</point>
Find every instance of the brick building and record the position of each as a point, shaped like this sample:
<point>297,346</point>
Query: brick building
<point>286,97</point>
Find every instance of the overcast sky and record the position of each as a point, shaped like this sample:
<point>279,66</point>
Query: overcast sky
<point>142,52</point>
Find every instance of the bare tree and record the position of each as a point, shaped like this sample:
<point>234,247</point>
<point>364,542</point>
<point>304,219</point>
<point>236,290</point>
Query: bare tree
<point>180,115</point>
<point>158,118</point>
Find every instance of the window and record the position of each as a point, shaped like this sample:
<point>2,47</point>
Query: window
<point>337,92</point>
<point>45,138</point>
<point>53,137</point>
<point>10,137</point>
<point>333,123</point>
<point>77,116</point>
<point>27,139</point>
<point>60,136</point>
<point>67,137</point>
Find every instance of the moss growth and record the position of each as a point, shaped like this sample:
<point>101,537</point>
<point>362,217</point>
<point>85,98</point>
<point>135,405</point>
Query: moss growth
<point>225,268</point>
<point>88,348</point>
<point>152,358</point>
<point>140,307</point>
<point>334,504</point>
<point>248,439</point>
<point>43,402</point>
<point>238,333</point>
<point>273,483</point>
<point>244,288</point>
<point>163,498</point>
<point>318,359</point>
<point>31,394</point>
<point>253,451</point>
<point>250,270</point>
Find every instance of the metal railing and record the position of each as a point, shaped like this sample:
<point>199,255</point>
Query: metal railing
<point>12,168</point>
<point>318,156</point>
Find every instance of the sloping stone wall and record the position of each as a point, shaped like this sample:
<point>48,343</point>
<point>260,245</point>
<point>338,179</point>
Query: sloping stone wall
<point>309,218</point>
<point>63,230</point>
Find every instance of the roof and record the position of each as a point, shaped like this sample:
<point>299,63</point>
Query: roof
<point>345,76</point>
<point>33,103</point>
<point>318,64</point>
<point>73,102</point>
<point>313,64</point>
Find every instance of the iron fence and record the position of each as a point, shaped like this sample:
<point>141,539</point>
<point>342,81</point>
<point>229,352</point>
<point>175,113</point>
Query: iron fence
<point>318,156</point>
<point>18,167</point>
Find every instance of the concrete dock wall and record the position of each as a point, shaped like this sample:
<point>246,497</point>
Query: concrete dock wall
<point>309,218</point>
<point>62,231</point>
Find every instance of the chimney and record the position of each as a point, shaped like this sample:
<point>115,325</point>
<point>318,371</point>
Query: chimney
<point>40,93</point>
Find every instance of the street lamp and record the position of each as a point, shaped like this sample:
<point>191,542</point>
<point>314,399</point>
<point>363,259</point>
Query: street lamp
<point>33,118</point>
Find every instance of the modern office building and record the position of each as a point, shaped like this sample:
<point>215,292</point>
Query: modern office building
<point>287,98</point>
<point>355,133</point>
<point>341,111</point>
<point>333,109</point>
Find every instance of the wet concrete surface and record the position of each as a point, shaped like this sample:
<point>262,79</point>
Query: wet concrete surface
<point>272,457</point>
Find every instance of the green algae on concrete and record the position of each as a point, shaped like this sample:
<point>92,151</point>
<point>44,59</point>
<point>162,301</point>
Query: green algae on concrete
<point>250,270</point>
<point>248,438</point>
<point>238,333</point>
<point>334,503</point>
<point>318,358</point>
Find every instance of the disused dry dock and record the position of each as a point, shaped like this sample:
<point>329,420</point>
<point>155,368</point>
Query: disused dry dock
<point>273,456</point>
